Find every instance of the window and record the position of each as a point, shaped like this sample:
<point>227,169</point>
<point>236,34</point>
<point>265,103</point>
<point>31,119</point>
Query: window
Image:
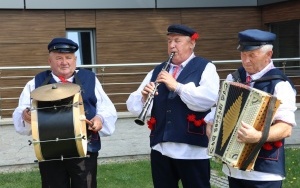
<point>86,41</point>
<point>287,41</point>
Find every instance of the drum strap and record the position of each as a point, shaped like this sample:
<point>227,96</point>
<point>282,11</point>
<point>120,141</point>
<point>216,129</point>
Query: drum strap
<point>265,134</point>
<point>77,81</point>
<point>46,81</point>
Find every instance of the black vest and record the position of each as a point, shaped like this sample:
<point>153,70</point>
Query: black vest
<point>171,113</point>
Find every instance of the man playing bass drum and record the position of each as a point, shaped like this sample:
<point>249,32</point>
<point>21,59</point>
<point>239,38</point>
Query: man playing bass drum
<point>75,172</point>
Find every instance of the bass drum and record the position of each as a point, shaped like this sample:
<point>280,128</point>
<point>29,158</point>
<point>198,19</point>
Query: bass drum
<point>58,129</point>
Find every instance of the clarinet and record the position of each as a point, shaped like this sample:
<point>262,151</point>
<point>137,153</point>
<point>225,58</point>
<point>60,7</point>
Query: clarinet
<point>140,120</point>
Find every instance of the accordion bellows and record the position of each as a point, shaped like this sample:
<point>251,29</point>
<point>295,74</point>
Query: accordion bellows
<point>237,102</point>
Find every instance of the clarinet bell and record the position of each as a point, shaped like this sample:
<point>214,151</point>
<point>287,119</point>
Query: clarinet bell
<point>139,121</point>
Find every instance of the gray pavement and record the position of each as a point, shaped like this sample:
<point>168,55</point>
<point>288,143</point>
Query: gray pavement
<point>129,142</point>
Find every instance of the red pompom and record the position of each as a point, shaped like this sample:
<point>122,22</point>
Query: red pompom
<point>195,36</point>
<point>278,144</point>
<point>191,117</point>
<point>150,126</point>
<point>198,123</point>
<point>267,146</point>
<point>151,122</point>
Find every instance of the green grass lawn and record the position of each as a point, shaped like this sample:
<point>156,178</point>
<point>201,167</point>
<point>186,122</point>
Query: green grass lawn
<point>137,174</point>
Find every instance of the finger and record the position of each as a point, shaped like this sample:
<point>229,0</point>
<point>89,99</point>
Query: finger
<point>245,125</point>
<point>90,123</point>
<point>91,126</point>
<point>238,139</point>
<point>148,89</point>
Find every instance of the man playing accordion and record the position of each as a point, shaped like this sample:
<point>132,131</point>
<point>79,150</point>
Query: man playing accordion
<point>256,51</point>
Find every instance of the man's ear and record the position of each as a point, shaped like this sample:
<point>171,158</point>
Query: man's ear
<point>49,60</point>
<point>270,53</point>
<point>193,44</point>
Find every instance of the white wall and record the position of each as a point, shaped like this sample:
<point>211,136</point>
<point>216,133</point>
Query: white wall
<point>89,4</point>
<point>204,3</point>
<point>12,4</point>
<point>128,4</point>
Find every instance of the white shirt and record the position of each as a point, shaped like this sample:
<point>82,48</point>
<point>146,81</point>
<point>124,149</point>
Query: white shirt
<point>286,112</point>
<point>200,98</point>
<point>105,108</point>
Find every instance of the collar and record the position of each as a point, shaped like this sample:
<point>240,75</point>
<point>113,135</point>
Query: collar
<point>262,72</point>
<point>183,64</point>
<point>58,80</point>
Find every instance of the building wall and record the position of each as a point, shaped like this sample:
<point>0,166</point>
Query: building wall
<point>128,4</point>
<point>122,36</point>
<point>281,12</point>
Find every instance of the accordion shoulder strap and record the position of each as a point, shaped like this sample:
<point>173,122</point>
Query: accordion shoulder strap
<point>265,134</point>
<point>236,76</point>
<point>268,78</point>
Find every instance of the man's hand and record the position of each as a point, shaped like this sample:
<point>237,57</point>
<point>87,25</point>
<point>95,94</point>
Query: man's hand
<point>167,78</point>
<point>96,124</point>
<point>149,88</point>
<point>208,129</point>
<point>248,134</point>
<point>26,115</point>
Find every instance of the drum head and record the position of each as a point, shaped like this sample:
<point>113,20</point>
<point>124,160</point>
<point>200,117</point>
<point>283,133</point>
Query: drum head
<point>56,91</point>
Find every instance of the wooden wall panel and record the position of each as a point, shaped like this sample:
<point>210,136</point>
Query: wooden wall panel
<point>218,29</point>
<point>24,54</point>
<point>126,36</point>
<point>30,27</point>
<point>131,52</point>
<point>137,36</point>
<point>218,49</point>
<point>24,36</point>
<point>221,23</point>
<point>80,19</point>
<point>281,12</point>
<point>134,25</point>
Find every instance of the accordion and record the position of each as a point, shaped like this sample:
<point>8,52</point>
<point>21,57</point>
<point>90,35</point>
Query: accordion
<point>238,102</point>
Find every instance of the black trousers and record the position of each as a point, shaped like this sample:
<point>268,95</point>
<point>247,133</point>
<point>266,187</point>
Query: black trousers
<point>70,173</point>
<point>166,172</point>
<point>238,183</point>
